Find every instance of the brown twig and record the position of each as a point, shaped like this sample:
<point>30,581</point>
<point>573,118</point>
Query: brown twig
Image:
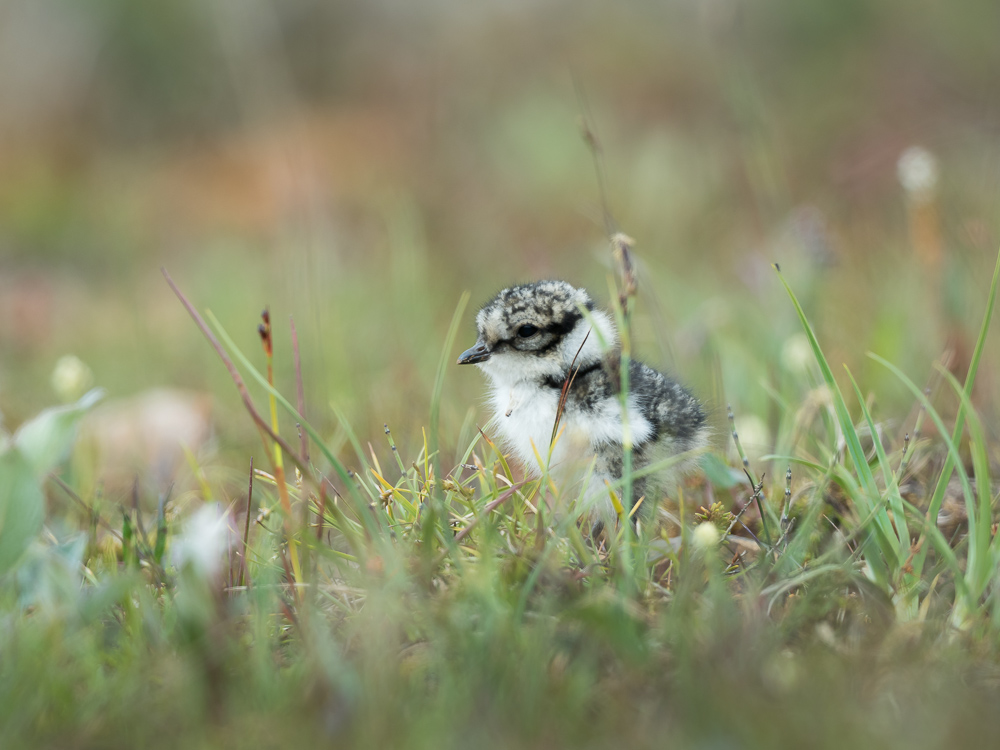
<point>621,247</point>
<point>237,380</point>
<point>738,519</point>
<point>567,384</point>
<point>246,528</point>
<point>757,490</point>
<point>320,511</point>
<point>489,509</point>
<point>267,340</point>
<point>299,392</point>
<point>786,501</point>
<point>262,425</point>
<point>90,511</point>
<point>289,613</point>
<point>138,515</point>
<point>589,134</point>
<point>289,575</point>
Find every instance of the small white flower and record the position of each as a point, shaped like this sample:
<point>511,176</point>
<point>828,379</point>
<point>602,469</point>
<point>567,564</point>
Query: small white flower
<point>918,172</point>
<point>705,536</point>
<point>70,378</point>
<point>207,536</point>
<point>781,671</point>
<point>754,436</point>
<point>797,354</point>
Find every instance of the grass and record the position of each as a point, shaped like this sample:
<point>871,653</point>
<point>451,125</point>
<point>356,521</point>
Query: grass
<point>430,596</point>
<point>401,600</point>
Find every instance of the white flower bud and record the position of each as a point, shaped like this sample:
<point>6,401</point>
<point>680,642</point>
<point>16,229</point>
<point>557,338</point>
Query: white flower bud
<point>918,172</point>
<point>705,536</point>
<point>796,354</point>
<point>206,538</point>
<point>70,378</point>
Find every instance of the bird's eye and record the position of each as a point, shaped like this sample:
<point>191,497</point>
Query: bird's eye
<point>527,331</point>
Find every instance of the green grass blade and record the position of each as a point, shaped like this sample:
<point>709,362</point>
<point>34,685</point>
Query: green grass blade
<point>794,555</point>
<point>438,504</point>
<point>953,455</point>
<point>980,515</point>
<point>868,498</point>
<point>862,530</point>
<point>774,591</point>
<point>941,546</point>
<point>443,364</point>
<point>895,501</point>
<point>361,506</point>
<point>784,458</point>
<point>352,438</point>
<point>938,497</point>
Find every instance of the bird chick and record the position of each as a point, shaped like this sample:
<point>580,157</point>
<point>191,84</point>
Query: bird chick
<point>532,338</point>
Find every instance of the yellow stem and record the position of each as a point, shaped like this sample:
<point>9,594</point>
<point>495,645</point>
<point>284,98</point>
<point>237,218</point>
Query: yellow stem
<point>279,478</point>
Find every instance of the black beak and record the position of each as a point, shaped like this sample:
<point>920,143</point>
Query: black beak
<point>479,353</point>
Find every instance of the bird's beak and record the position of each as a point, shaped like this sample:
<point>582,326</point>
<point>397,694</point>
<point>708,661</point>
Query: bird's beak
<point>479,353</point>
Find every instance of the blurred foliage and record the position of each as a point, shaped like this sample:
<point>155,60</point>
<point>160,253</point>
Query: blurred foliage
<point>358,166</point>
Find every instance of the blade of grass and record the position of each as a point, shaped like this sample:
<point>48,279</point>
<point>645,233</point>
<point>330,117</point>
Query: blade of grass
<point>246,530</point>
<point>360,503</point>
<point>231,368</point>
<point>795,460</point>
<point>622,311</point>
<point>895,500</point>
<point>885,537</point>
<point>661,465</point>
<point>938,497</point>
<point>300,395</point>
<point>794,554</point>
<point>352,438</point>
<point>500,457</point>
<point>259,421</point>
<point>490,507</point>
<point>443,364</point>
<point>161,529</point>
<point>279,465</point>
<point>980,562</point>
<point>567,385</point>
<point>942,547</point>
<point>433,451</point>
<point>953,455</point>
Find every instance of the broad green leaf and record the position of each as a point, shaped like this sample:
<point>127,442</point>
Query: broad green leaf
<point>22,507</point>
<point>50,572</point>
<point>45,441</point>
<point>719,474</point>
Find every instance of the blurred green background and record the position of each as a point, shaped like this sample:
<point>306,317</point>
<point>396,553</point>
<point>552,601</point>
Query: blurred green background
<point>359,165</point>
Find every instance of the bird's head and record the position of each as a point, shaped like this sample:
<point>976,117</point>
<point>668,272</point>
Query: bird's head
<point>533,332</point>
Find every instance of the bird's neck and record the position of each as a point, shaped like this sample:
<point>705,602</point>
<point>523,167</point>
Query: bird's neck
<point>570,375</point>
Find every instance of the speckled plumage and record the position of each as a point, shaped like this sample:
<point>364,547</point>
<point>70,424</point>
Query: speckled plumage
<point>528,338</point>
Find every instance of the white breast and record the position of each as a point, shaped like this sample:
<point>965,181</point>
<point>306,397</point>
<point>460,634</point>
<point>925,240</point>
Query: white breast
<point>524,414</point>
